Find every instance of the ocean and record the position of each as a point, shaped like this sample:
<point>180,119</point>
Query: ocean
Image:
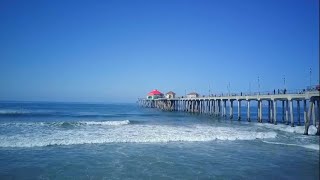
<point>40,140</point>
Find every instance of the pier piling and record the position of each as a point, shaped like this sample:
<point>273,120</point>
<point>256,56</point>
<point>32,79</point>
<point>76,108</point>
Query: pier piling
<point>239,110</point>
<point>275,112</point>
<point>248,111</point>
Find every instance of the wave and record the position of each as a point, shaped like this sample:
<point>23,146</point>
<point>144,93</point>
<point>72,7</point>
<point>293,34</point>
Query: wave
<point>108,123</point>
<point>50,113</point>
<point>139,133</point>
<point>67,124</point>
<point>288,128</point>
<point>13,112</point>
<point>308,146</point>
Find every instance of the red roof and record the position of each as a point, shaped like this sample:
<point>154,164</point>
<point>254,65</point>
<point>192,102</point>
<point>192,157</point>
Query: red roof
<point>154,92</point>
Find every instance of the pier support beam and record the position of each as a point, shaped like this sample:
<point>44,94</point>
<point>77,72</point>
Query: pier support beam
<point>207,106</point>
<point>210,107</point>
<point>248,111</point>
<point>224,108</point>
<point>239,110</point>
<point>214,107</point>
<point>291,113</point>
<point>298,109</point>
<point>260,111</point>
<point>305,113</point>
<point>272,111</point>
<point>231,109</point>
<point>318,112</point>
<point>187,106</point>
<point>307,124</point>
<point>197,106</point>
<point>269,111</point>
<point>283,109</point>
<point>318,129</point>
<point>219,107</point>
<point>287,112</point>
<point>314,114</point>
<point>275,112</point>
<point>204,106</point>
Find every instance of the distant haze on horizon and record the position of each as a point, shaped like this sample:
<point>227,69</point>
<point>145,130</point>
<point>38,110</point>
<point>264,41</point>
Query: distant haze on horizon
<point>117,51</point>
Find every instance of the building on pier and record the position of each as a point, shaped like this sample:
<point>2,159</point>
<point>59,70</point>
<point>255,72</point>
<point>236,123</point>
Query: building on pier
<point>170,95</point>
<point>192,95</point>
<point>155,94</point>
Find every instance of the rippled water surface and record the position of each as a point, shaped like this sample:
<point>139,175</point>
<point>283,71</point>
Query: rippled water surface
<point>122,141</point>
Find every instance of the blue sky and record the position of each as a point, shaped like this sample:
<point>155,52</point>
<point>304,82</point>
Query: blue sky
<point>117,51</point>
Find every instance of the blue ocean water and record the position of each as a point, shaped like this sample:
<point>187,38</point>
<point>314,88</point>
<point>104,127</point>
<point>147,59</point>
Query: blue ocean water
<point>124,141</point>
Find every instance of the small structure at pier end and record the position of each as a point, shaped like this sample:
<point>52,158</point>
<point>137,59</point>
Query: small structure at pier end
<point>155,94</point>
<point>170,95</point>
<point>192,95</point>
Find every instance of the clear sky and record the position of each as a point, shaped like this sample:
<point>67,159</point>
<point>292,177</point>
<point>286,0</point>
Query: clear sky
<point>117,51</point>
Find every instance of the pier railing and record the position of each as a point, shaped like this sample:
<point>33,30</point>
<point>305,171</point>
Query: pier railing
<point>275,92</point>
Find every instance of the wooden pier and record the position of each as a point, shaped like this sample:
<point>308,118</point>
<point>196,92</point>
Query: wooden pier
<point>217,106</point>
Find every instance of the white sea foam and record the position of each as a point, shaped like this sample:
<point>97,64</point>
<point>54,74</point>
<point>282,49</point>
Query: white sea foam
<point>108,123</point>
<point>308,146</point>
<point>12,111</point>
<point>35,124</point>
<point>136,133</point>
<point>288,128</point>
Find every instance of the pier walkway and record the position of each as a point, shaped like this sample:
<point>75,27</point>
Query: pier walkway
<point>217,106</point>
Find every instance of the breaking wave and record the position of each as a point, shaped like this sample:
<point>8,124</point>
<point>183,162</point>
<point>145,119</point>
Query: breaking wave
<point>308,146</point>
<point>52,113</point>
<point>67,124</point>
<point>136,133</point>
<point>108,123</point>
<point>288,128</point>
<point>13,112</point>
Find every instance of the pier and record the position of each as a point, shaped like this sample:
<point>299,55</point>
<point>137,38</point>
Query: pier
<point>306,101</point>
